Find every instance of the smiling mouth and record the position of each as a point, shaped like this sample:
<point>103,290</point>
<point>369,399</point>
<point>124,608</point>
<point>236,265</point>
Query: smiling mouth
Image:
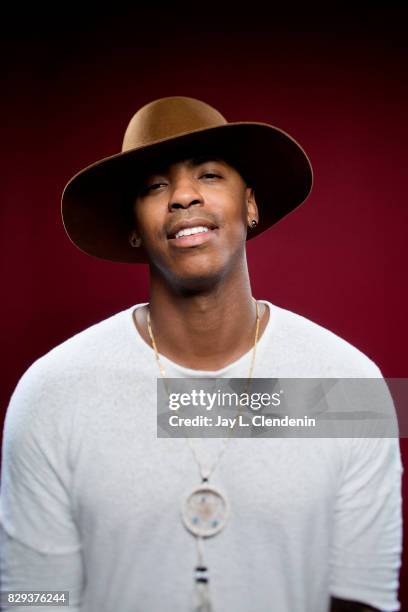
<point>193,239</point>
<point>196,226</point>
<point>209,229</point>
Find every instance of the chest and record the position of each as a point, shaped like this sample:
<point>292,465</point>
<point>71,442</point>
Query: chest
<point>125,475</point>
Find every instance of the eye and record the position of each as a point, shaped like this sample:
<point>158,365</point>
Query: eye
<point>154,187</point>
<point>211,175</point>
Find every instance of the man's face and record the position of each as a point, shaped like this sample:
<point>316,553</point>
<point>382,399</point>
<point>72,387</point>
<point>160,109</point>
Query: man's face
<point>199,192</point>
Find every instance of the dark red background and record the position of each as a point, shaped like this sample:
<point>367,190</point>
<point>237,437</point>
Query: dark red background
<point>335,81</point>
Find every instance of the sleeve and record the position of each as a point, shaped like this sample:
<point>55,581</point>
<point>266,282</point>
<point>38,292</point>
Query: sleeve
<point>40,541</point>
<point>367,539</point>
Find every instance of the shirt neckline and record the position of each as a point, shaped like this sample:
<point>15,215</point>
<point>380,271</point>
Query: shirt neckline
<point>189,372</point>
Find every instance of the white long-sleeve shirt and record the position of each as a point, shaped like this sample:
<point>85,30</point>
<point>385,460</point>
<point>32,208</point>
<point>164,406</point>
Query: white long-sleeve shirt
<point>90,497</point>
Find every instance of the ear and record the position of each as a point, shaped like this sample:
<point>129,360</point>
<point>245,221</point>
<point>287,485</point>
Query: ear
<point>134,239</point>
<point>134,235</point>
<point>252,209</point>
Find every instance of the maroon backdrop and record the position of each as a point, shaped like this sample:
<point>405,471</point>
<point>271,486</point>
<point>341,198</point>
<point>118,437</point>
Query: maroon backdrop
<point>336,82</point>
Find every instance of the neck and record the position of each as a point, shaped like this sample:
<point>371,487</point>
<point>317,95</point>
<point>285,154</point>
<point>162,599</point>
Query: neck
<point>206,330</point>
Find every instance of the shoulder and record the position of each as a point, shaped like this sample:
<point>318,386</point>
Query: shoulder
<point>79,360</point>
<point>320,349</point>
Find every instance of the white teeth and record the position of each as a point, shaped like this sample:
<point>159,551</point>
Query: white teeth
<point>191,230</point>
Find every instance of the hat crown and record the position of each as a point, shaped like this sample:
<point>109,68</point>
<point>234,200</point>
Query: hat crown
<point>167,118</point>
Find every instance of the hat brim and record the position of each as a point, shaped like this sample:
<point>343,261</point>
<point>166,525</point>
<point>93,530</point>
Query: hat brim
<point>96,203</point>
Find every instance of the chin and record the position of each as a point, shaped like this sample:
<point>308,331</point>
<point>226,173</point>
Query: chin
<point>195,277</point>
<point>196,271</point>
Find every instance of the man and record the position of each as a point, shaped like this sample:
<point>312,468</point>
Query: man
<point>90,497</point>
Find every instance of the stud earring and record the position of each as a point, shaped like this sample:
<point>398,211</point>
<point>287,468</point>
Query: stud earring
<point>253,223</point>
<point>134,240</point>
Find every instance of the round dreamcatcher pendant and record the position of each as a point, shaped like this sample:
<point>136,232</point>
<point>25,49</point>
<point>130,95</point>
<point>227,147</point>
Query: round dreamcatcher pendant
<point>205,511</point>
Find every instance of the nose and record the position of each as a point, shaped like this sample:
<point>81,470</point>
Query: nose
<point>184,193</point>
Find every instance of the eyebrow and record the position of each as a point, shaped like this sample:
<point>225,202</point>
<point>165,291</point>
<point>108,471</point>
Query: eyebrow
<point>202,159</point>
<point>194,161</point>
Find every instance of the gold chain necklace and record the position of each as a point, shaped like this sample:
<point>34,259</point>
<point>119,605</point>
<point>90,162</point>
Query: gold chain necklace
<point>206,509</point>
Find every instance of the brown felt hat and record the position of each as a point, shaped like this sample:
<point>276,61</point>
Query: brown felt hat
<point>97,202</point>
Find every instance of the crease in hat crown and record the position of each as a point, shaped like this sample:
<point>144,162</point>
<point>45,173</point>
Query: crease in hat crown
<point>167,118</point>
